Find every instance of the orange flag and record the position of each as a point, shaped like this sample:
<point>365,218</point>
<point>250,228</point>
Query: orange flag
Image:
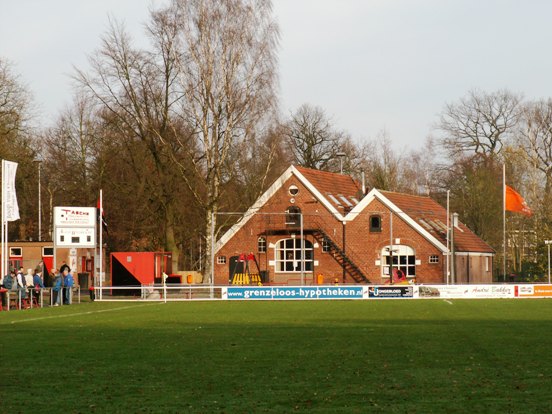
<point>516,203</point>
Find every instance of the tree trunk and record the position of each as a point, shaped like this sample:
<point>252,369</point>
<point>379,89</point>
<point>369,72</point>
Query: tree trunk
<point>170,239</point>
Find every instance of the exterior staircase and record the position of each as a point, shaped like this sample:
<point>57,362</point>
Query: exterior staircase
<point>340,256</point>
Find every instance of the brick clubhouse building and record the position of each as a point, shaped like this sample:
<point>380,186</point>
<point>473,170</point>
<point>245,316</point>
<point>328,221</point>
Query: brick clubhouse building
<point>348,236</point>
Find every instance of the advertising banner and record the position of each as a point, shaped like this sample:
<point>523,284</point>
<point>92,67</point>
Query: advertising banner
<point>533,291</point>
<point>11,208</point>
<point>465,291</point>
<point>384,292</point>
<point>75,216</point>
<point>295,292</point>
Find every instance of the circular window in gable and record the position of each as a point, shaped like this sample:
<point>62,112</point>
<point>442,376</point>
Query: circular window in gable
<point>293,190</point>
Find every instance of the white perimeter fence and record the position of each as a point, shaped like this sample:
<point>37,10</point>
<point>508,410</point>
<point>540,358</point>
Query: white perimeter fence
<point>169,293</point>
<point>173,293</point>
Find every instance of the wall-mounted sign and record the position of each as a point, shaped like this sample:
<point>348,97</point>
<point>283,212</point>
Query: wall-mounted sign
<point>75,236</point>
<point>75,227</point>
<point>75,216</point>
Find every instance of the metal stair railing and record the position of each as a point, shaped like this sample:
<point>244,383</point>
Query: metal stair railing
<point>315,225</point>
<point>341,257</point>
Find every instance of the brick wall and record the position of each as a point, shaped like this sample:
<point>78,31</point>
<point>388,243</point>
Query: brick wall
<point>363,246</point>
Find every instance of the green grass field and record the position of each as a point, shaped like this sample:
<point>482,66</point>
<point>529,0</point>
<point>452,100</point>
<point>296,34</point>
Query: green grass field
<point>388,356</point>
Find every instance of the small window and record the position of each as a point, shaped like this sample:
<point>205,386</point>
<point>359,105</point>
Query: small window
<point>261,245</point>
<point>375,224</point>
<point>434,258</point>
<point>47,251</point>
<point>221,260</point>
<point>293,190</point>
<point>16,252</point>
<point>326,246</point>
<point>293,216</point>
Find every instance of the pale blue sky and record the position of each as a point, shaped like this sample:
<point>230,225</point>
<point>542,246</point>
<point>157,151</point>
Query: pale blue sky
<point>372,64</point>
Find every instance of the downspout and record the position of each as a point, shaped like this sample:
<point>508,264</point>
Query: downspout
<point>344,254</point>
<point>468,268</point>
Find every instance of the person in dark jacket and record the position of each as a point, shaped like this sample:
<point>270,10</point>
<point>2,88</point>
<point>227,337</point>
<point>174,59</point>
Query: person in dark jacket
<point>56,287</point>
<point>68,283</point>
<point>7,283</point>
<point>37,283</point>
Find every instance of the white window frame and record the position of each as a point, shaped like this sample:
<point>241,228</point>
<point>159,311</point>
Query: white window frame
<point>434,259</point>
<point>261,244</point>
<point>44,251</point>
<point>12,254</point>
<point>221,260</point>
<point>287,256</point>
<point>326,247</point>
<point>404,258</point>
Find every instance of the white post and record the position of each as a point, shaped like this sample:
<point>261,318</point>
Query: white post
<point>504,219</point>
<point>101,241</point>
<point>448,238</point>
<point>390,247</point>
<point>164,276</point>
<point>302,250</point>
<point>212,253</point>
<point>548,243</point>
<point>39,206</point>
<point>3,253</point>
<point>453,258</point>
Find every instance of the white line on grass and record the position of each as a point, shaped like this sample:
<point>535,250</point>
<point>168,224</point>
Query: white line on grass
<point>448,301</point>
<point>84,313</point>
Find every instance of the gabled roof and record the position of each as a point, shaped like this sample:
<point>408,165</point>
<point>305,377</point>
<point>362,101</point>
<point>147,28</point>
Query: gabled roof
<point>341,195</point>
<point>341,191</point>
<point>429,218</point>
<point>334,191</point>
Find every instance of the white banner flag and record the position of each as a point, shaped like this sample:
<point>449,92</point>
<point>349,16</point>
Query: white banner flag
<point>11,209</point>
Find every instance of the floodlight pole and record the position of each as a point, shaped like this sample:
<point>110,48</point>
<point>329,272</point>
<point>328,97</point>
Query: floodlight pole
<point>212,253</point>
<point>38,161</point>
<point>448,238</point>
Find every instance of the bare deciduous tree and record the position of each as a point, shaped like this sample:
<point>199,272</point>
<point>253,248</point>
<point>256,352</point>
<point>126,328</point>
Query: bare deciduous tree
<point>535,137</point>
<point>479,123</point>
<point>136,88</point>
<point>384,170</point>
<point>312,139</point>
<point>14,101</point>
<point>227,63</point>
<point>535,142</point>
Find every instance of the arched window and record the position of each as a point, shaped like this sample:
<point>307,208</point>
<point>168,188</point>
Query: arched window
<point>293,216</point>
<point>288,255</point>
<point>404,258</point>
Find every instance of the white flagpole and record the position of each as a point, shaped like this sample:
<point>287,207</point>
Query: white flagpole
<point>448,237</point>
<point>100,218</point>
<point>504,218</point>
<point>3,198</point>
